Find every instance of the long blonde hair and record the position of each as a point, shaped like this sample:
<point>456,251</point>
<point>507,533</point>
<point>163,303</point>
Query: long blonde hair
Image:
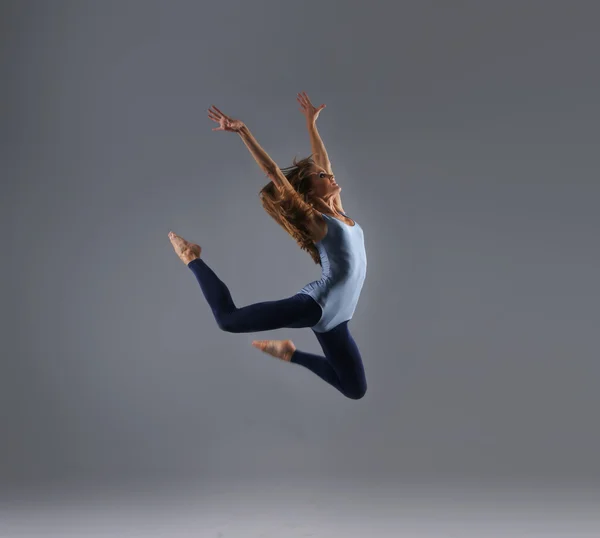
<point>287,212</point>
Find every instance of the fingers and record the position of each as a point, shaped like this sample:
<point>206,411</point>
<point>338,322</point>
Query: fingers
<point>306,104</point>
<point>303,99</point>
<point>220,113</point>
<point>214,112</point>
<point>306,99</point>
<point>216,115</point>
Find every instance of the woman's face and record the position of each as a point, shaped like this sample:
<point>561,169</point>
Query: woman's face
<point>322,184</point>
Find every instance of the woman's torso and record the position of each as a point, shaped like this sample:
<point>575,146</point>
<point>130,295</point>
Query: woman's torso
<point>344,263</point>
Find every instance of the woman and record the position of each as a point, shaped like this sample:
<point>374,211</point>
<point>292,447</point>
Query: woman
<point>305,200</point>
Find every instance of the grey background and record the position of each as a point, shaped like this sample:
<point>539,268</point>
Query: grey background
<point>464,135</point>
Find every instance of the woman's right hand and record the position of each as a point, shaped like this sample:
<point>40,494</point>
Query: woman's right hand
<point>311,113</point>
<point>225,122</point>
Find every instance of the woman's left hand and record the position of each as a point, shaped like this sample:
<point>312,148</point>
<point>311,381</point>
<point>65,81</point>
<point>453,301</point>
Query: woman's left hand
<point>225,122</point>
<point>310,112</point>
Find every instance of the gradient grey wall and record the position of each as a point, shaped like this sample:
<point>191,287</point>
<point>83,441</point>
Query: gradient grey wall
<point>465,137</point>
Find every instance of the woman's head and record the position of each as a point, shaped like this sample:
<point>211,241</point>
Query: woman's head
<point>314,185</point>
<point>311,181</point>
<point>321,184</point>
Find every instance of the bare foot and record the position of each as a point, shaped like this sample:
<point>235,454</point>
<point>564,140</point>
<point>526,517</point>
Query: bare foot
<point>184,249</point>
<point>282,349</point>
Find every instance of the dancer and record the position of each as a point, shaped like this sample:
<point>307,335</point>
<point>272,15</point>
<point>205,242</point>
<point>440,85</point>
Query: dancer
<point>305,200</point>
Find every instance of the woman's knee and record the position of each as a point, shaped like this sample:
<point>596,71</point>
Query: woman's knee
<point>227,323</point>
<point>356,391</point>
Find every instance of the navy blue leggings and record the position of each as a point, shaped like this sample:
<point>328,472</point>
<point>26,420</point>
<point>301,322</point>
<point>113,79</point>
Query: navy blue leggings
<point>341,366</point>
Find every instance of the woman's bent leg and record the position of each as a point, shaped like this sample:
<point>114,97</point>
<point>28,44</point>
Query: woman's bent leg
<point>298,311</point>
<point>342,365</point>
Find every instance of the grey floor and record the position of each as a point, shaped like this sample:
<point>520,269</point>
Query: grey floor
<point>302,510</point>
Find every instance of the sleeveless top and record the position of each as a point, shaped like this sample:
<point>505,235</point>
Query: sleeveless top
<point>344,267</point>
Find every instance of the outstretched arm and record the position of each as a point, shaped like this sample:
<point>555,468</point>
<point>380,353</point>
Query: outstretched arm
<point>316,142</point>
<point>318,148</point>
<point>261,157</point>
<point>320,155</point>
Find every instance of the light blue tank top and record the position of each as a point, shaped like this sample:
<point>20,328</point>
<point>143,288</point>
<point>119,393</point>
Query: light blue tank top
<point>344,267</point>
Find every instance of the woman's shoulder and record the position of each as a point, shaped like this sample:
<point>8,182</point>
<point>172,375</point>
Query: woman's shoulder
<point>316,225</point>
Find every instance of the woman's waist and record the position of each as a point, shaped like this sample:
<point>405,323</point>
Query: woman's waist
<point>341,278</point>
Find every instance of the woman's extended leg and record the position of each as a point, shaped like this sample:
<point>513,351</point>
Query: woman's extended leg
<point>297,311</point>
<point>294,312</point>
<point>342,365</point>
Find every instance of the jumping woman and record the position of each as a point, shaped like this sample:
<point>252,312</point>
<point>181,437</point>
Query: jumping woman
<point>305,200</point>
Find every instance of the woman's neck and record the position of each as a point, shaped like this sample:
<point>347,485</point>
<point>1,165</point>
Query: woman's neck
<point>325,207</point>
